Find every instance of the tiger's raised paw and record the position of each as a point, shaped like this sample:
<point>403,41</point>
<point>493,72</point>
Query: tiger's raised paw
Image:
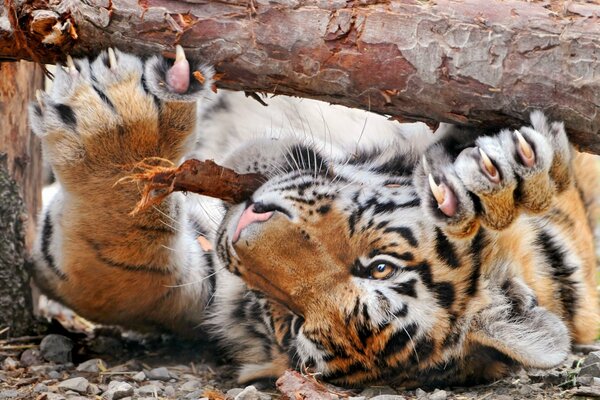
<point>103,116</point>
<point>491,182</point>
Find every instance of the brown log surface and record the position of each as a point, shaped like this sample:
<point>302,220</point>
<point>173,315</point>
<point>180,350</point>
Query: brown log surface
<point>20,194</point>
<point>477,62</point>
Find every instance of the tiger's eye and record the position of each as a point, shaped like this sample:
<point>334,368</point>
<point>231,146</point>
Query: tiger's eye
<point>381,270</point>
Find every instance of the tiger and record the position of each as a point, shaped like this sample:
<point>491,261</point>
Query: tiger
<point>421,258</point>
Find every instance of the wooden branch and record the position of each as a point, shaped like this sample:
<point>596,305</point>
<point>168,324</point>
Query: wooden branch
<point>477,62</point>
<point>202,177</point>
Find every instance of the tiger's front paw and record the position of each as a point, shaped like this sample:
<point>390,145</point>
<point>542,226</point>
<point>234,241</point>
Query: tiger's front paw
<point>497,178</point>
<point>103,116</point>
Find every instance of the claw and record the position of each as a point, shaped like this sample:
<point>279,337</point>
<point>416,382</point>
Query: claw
<point>179,54</point>
<point>178,76</point>
<point>489,167</point>
<point>425,165</point>
<point>112,58</point>
<point>71,66</point>
<point>437,190</point>
<point>39,96</point>
<point>524,149</point>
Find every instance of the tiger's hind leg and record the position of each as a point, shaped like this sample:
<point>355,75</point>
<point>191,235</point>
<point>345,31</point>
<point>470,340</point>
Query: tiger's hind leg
<point>101,118</point>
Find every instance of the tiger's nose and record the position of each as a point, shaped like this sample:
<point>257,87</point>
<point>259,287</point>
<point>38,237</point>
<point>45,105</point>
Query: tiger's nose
<point>248,217</point>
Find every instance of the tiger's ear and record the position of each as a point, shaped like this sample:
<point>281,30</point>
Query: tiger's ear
<point>516,326</point>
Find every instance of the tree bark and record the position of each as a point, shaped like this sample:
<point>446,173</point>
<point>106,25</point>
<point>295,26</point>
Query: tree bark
<point>476,62</point>
<point>20,195</point>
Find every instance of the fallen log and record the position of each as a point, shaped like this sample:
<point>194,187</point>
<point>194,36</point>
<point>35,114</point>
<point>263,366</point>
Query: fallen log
<point>476,62</point>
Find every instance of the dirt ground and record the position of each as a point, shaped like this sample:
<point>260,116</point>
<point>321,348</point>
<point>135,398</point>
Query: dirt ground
<point>130,366</point>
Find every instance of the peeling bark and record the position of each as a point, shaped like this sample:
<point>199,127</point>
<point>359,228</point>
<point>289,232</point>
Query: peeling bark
<point>474,62</point>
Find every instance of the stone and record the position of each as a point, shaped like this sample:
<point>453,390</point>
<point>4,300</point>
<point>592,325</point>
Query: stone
<point>139,377</point>
<point>251,393</point>
<point>94,365</point>
<point>159,374</point>
<point>10,364</point>
<point>169,391</point>
<point>421,394</point>
<point>31,357</point>
<point>54,374</point>
<point>591,365</point>
<point>231,393</point>
<point>150,389</point>
<point>8,394</point>
<point>438,395</point>
<point>51,396</point>
<point>56,348</point>
<point>357,398</point>
<point>388,397</point>
<point>377,391</point>
<point>195,395</point>
<point>79,385</point>
<point>40,387</point>
<point>190,386</point>
<point>118,390</point>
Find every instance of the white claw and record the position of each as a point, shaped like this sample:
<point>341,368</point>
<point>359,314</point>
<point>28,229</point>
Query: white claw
<point>487,163</point>
<point>524,145</point>
<point>71,65</point>
<point>112,58</point>
<point>437,190</point>
<point>39,96</point>
<point>179,53</point>
<point>425,164</point>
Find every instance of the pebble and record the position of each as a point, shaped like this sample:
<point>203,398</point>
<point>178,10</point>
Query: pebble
<point>251,393</point>
<point>93,365</point>
<point>438,395</point>
<point>159,374</point>
<point>79,384</point>
<point>51,396</point>
<point>139,377</point>
<point>40,387</point>
<point>56,348</point>
<point>421,394</point>
<point>169,391</point>
<point>8,394</point>
<point>31,357</point>
<point>54,375</point>
<point>190,386</point>
<point>150,389</point>
<point>591,365</point>
<point>10,364</point>
<point>118,390</point>
<point>388,397</point>
<point>376,391</point>
<point>231,393</point>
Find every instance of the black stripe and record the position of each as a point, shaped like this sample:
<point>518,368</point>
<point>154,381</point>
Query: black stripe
<point>405,232</point>
<point>477,245</point>
<point>103,97</point>
<point>398,341</point>
<point>66,114</point>
<point>561,272</point>
<point>406,288</point>
<point>127,267</point>
<point>46,239</point>
<point>444,293</point>
<point>445,249</point>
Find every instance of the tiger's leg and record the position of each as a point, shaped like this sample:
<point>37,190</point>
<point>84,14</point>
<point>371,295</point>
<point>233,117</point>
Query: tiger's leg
<point>145,271</point>
<point>521,188</point>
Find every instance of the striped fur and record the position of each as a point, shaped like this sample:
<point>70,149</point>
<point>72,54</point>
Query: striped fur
<point>356,274</point>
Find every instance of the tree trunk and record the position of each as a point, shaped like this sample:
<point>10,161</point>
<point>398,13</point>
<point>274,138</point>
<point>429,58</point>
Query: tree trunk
<point>477,62</point>
<point>20,184</point>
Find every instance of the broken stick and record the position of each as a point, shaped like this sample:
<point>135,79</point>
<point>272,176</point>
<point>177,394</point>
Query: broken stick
<point>202,177</point>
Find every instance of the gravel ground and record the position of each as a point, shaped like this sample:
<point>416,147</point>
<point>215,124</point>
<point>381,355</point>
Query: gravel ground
<point>105,364</point>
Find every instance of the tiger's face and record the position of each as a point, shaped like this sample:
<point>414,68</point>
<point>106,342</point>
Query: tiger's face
<point>374,285</point>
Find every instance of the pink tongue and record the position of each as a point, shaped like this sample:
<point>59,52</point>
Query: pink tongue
<point>248,217</point>
<point>178,76</point>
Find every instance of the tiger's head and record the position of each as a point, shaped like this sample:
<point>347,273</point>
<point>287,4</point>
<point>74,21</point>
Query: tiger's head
<point>371,290</point>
